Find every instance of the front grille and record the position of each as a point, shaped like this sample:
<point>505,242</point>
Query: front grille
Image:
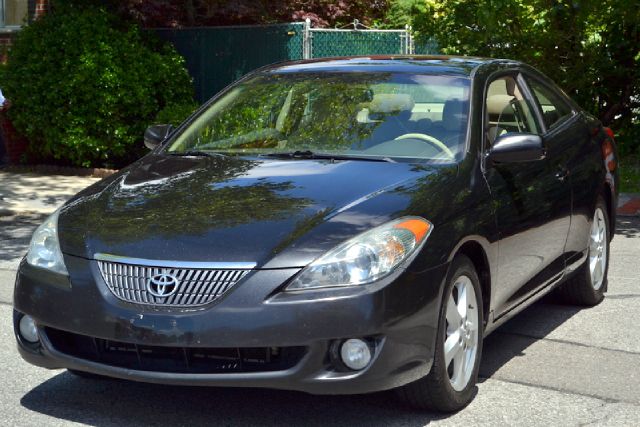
<point>191,287</point>
<point>175,359</point>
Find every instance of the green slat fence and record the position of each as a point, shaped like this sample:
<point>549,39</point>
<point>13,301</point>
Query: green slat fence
<point>217,56</point>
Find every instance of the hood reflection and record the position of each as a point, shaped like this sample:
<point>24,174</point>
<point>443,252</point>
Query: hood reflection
<point>231,208</point>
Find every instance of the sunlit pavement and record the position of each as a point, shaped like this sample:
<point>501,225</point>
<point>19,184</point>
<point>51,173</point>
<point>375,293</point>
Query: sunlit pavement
<point>34,193</point>
<point>551,365</point>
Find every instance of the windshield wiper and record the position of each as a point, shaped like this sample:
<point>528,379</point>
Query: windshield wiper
<point>307,154</point>
<point>195,153</point>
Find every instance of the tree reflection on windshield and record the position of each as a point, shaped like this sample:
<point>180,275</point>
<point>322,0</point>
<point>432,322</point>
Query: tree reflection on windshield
<point>378,114</point>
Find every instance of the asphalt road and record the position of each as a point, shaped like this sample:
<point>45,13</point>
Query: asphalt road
<point>551,365</point>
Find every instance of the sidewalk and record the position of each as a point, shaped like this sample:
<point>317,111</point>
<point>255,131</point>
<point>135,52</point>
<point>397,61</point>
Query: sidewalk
<point>25,201</point>
<point>42,194</point>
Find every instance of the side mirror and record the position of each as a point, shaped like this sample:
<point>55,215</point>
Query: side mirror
<point>155,134</point>
<point>516,148</point>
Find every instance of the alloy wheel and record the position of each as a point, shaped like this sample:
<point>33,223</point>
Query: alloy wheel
<point>461,342</point>
<point>598,249</point>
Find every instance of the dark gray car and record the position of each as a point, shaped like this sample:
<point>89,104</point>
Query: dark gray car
<point>331,226</point>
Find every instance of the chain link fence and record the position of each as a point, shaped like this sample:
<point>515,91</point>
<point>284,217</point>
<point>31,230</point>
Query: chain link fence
<point>424,46</point>
<point>217,56</point>
<point>326,42</point>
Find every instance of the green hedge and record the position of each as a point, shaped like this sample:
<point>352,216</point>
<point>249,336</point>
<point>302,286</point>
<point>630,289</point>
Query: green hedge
<point>85,85</point>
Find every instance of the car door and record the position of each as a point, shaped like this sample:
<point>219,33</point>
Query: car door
<point>532,200</point>
<point>568,135</point>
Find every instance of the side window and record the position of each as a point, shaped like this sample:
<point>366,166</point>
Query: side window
<point>507,111</point>
<point>553,108</point>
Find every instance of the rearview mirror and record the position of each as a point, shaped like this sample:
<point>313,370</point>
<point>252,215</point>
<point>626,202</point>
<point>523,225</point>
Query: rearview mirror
<point>516,148</point>
<point>155,134</point>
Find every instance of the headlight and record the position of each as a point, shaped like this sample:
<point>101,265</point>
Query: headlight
<point>366,257</point>
<point>44,250</point>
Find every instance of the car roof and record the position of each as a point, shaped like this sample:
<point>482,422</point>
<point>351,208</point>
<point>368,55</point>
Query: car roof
<point>422,64</point>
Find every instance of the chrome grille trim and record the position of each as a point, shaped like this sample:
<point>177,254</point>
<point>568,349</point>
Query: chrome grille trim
<point>175,264</point>
<point>197,286</point>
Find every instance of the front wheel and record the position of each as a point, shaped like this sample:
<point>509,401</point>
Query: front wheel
<point>588,284</point>
<point>450,385</point>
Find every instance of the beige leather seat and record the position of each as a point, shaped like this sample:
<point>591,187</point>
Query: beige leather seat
<point>389,114</point>
<point>451,128</point>
<point>498,108</point>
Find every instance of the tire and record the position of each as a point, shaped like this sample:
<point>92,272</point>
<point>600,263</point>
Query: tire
<point>585,287</point>
<point>442,390</point>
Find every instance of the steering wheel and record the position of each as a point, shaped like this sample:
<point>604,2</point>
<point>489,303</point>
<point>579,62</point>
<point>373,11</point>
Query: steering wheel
<point>428,139</point>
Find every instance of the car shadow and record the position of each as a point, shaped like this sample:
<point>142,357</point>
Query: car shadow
<point>110,402</point>
<point>525,329</point>
<point>537,321</point>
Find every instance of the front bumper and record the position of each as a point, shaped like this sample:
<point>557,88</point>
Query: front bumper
<point>398,315</point>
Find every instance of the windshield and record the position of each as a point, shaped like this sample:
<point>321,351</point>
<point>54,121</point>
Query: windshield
<point>368,115</point>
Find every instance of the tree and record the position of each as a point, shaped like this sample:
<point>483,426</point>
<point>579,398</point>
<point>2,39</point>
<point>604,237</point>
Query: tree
<point>591,49</point>
<point>85,85</point>
<point>189,13</point>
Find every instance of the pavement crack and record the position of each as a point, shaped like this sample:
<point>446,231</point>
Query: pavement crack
<point>606,400</point>
<point>560,341</point>
<point>599,419</point>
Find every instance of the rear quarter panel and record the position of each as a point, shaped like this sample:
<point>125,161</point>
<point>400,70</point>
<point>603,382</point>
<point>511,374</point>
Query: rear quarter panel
<point>589,178</point>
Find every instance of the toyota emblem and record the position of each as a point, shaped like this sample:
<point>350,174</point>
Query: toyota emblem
<point>162,285</point>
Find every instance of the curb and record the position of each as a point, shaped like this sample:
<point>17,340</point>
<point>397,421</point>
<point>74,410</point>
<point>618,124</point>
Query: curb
<point>629,204</point>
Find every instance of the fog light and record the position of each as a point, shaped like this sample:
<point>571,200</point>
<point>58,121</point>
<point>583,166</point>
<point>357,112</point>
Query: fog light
<point>28,329</point>
<point>355,354</point>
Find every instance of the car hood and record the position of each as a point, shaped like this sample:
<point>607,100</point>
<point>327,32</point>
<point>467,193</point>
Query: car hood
<point>274,213</point>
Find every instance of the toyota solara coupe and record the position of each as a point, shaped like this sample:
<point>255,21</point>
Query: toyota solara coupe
<point>335,226</point>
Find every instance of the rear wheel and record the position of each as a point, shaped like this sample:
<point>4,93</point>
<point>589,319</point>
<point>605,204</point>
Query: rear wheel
<point>450,385</point>
<point>588,284</point>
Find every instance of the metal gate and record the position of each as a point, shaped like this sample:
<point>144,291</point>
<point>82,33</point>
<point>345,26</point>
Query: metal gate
<point>359,40</point>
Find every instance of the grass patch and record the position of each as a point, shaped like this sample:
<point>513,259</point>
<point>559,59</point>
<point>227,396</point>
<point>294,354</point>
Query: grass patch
<point>630,174</point>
